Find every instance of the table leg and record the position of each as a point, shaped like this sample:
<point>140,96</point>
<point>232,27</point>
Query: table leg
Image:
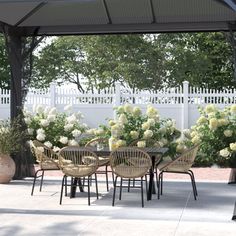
<point>151,188</point>
<point>74,183</point>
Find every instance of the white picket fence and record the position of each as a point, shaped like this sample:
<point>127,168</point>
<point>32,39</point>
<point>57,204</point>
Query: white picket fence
<point>179,103</point>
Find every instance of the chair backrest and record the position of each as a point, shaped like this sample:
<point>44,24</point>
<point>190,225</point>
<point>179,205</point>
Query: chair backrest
<point>77,161</point>
<point>42,152</point>
<point>96,141</point>
<point>183,162</point>
<point>130,162</point>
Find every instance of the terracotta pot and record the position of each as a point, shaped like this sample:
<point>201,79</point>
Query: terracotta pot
<point>7,168</point>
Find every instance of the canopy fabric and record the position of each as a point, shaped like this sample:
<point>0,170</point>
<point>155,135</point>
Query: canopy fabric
<point>63,17</point>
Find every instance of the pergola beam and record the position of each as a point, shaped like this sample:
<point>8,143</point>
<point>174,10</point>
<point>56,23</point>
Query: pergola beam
<point>231,4</point>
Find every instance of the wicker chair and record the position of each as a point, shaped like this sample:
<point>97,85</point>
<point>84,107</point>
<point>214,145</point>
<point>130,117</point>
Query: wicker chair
<point>47,159</point>
<point>77,163</point>
<point>181,165</point>
<point>129,163</point>
<point>102,161</point>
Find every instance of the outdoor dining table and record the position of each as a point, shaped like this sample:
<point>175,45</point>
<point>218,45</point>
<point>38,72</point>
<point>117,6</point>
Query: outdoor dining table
<point>154,152</point>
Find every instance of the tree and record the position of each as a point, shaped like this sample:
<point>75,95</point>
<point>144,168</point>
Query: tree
<point>4,66</point>
<point>204,59</point>
<point>61,60</point>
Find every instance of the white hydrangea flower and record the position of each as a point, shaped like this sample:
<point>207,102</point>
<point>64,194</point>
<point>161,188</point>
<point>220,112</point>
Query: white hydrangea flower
<point>30,131</point>
<point>68,127</point>
<point>228,133</point>
<point>232,146</point>
<point>71,119</point>
<point>145,126</point>
<point>27,120</point>
<point>120,143</point>
<point>134,134</point>
<point>84,125</point>
<point>56,149</point>
<point>122,119</point>
<point>44,122</point>
<point>151,111</point>
<point>98,131</point>
<point>40,131</point>
<point>48,144</point>
<point>51,118</point>
<point>90,131</point>
<point>196,139</point>
<point>213,123</point>
<point>39,109</point>
<point>210,108</point>
<point>225,152</point>
<point>162,130</point>
<point>137,111</point>
<point>63,140</point>
<point>41,137</point>
<point>148,134</point>
<point>128,108</point>
<point>47,110</point>
<point>151,121</point>
<point>233,109</point>
<point>120,109</point>
<point>76,133</point>
<point>141,144</point>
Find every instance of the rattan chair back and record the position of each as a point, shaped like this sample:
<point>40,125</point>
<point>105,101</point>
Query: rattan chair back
<point>78,162</point>
<point>44,155</point>
<point>130,162</point>
<point>182,163</point>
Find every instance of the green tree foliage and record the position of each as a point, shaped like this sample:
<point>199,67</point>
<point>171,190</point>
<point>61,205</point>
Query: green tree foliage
<point>204,59</point>
<point>4,66</point>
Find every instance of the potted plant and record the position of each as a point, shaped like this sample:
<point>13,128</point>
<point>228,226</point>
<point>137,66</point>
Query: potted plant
<point>11,135</point>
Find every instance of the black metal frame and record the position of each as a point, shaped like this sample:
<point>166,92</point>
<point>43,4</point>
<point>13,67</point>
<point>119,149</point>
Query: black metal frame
<point>74,183</point>
<point>36,176</point>
<point>128,187</point>
<point>106,171</point>
<point>189,172</point>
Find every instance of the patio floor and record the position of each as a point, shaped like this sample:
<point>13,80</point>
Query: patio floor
<point>176,213</point>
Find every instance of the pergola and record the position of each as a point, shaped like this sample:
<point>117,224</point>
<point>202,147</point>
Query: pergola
<point>30,18</point>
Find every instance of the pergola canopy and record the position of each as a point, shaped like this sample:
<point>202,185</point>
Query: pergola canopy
<point>63,17</point>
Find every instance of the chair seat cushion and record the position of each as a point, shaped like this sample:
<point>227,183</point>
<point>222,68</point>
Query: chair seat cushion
<point>49,165</point>
<point>79,170</point>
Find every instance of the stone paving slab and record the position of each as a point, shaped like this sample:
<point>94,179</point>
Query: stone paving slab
<point>175,214</point>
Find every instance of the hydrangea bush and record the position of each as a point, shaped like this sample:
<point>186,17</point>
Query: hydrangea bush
<point>216,131</point>
<point>133,128</point>
<point>54,129</point>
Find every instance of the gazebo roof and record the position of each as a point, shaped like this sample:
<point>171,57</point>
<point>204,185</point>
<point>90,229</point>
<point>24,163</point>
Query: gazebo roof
<point>63,17</point>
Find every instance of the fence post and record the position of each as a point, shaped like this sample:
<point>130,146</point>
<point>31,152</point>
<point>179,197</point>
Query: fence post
<point>117,97</point>
<point>52,94</point>
<point>185,105</point>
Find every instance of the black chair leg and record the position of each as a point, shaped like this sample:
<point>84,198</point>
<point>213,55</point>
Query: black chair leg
<point>157,179</point>
<point>146,186</point>
<point>121,181</point>
<point>142,191</point>
<point>161,182</point>
<point>107,178</point>
<point>128,185</point>
<point>160,185</point>
<point>96,184</point>
<point>194,182</point>
<point>41,182</point>
<point>62,186</point>
<point>89,190</point>
<point>35,177</point>
<point>66,186</point>
<point>114,192</point>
